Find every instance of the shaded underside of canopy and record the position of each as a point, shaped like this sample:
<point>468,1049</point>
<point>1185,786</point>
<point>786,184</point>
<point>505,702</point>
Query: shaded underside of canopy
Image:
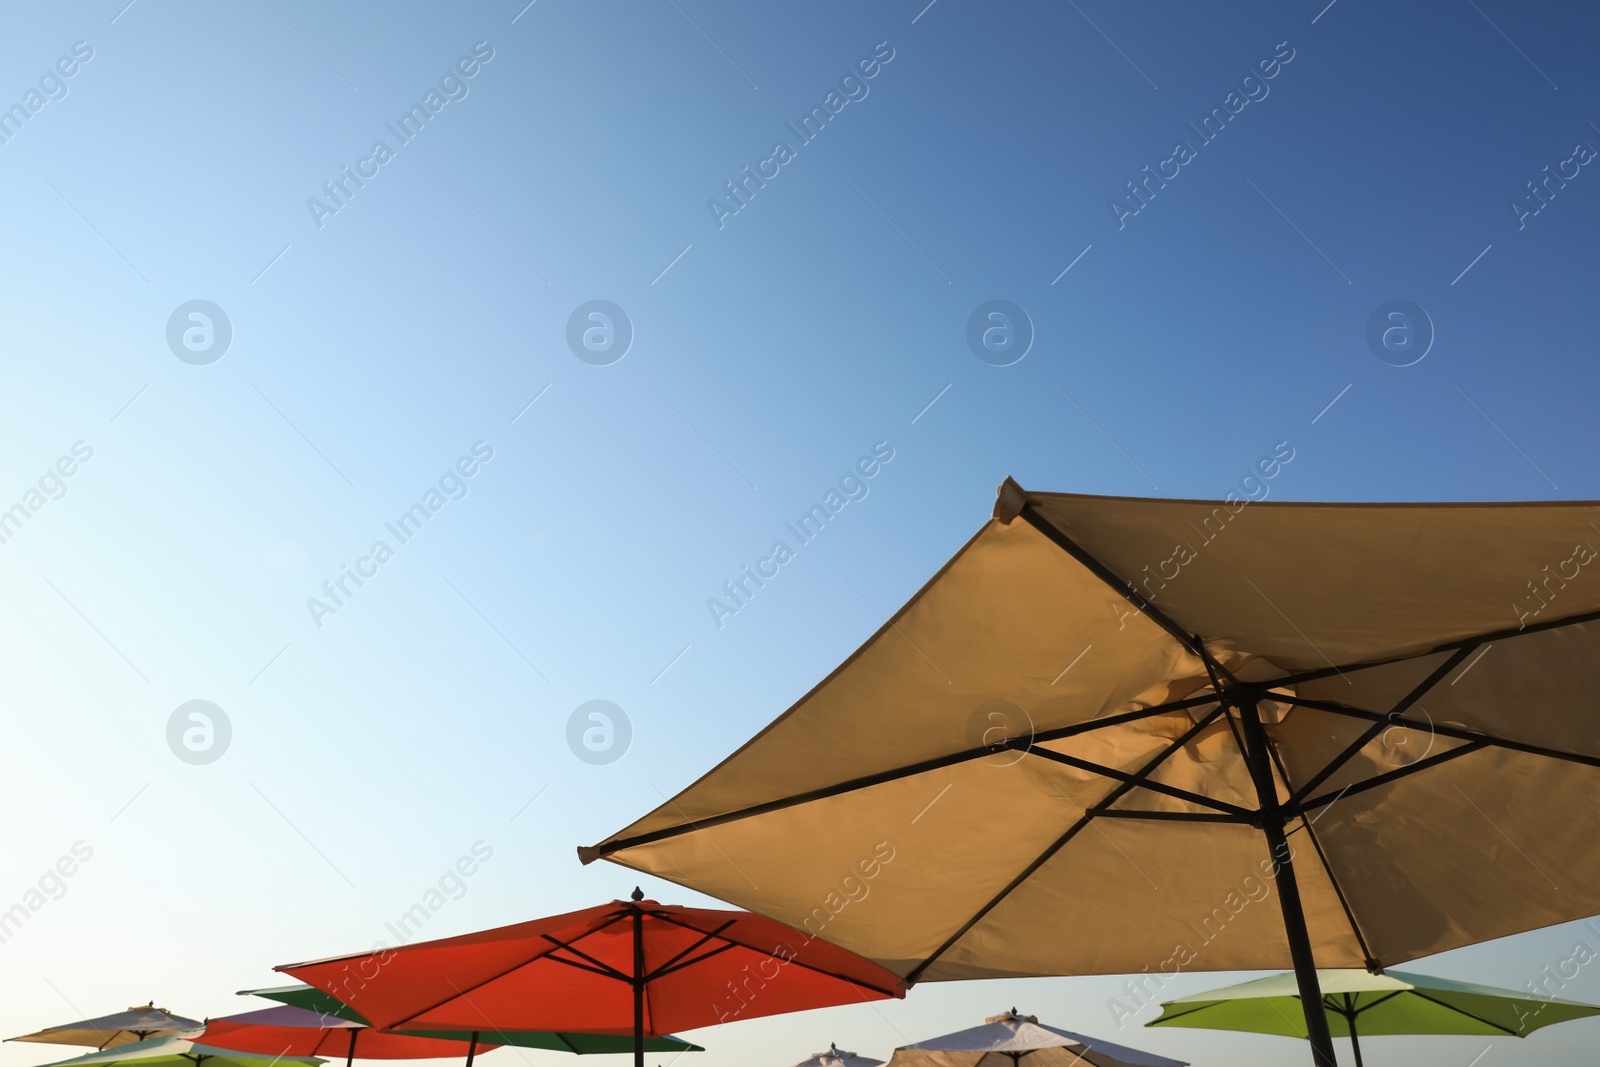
<point>1024,772</point>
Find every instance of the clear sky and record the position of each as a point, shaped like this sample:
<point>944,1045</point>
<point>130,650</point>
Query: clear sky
<point>378,336</point>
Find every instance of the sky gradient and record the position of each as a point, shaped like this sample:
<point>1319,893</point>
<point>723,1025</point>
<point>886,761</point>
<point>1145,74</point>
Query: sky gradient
<point>392,335</point>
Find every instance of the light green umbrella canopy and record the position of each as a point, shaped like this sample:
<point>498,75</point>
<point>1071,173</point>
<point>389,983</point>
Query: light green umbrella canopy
<point>304,996</point>
<point>178,1050</point>
<point>1358,1003</point>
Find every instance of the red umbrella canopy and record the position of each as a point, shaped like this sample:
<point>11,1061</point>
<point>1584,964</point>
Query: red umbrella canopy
<point>291,1031</point>
<point>699,967</point>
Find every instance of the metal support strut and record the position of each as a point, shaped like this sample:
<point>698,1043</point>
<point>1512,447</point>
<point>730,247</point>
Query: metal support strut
<point>638,980</point>
<point>1294,917</point>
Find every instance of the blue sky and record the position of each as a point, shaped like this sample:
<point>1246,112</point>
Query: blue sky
<point>1172,348</point>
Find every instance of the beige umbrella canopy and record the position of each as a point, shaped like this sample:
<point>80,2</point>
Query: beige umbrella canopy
<point>116,1030</point>
<point>1110,729</point>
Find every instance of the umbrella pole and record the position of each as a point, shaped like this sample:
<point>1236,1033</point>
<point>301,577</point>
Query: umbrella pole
<point>1294,916</point>
<point>638,982</point>
<point>1355,1042</point>
<point>350,1058</point>
<point>472,1048</point>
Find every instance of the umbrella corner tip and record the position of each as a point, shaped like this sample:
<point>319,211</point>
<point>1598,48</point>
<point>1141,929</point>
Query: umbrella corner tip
<point>587,854</point>
<point>1009,501</point>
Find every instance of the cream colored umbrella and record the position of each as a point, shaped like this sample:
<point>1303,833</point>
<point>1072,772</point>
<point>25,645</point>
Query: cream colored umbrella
<point>116,1030</point>
<point>1120,736</point>
<point>836,1057</point>
<point>1012,1040</point>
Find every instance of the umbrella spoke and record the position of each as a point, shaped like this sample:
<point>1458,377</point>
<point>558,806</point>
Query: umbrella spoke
<point>1394,775</point>
<point>1100,812</point>
<point>1445,730</point>
<point>1143,782</point>
<point>1462,1011</point>
<point>1061,842</point>
<point>1338,891</point>
<point>1448,646</point>
<point>666,969</point>
<point>1121,586</point>
<point>1377,728</point>
<point>596,965</point>
<point>852,785</point>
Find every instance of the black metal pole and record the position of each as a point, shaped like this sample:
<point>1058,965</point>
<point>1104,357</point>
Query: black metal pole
<point>1294,916</point>
<point>351,1058</point>
<point>638,981</point>
<point>1355,1042</point>
<point>472,1048</point>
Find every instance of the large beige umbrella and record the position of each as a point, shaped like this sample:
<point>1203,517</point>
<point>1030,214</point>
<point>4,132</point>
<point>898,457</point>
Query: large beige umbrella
<point>1109,729</point>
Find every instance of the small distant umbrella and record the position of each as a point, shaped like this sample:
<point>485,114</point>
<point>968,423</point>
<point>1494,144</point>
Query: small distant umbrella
<point>836,1057</point>
<point>113,1031</point>
<point>287,1030</point>
<point>1370,1004</point>
<point>181,1050</point>
<point>1012,1040</point>
<point>312,999</point>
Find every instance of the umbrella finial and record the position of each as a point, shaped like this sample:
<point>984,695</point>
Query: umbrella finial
<point>637,894</point>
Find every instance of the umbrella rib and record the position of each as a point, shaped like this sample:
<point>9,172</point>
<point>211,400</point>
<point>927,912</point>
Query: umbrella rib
<point>1444,730</point>
<point>598,966</point>
<point>1461,1011</point>
<point>666,969</point>
<point>883,777</point>
<point>1168,816</point>
<point>1121,586</point>
<point>1448,646</point>
<point>1333,880</point>
<point>1395,775</point>
<point>705,936</point>
<point>1143,783</point>
<point>1112,797</point>
<point>496,977</point>
<point>851,979</point>
<point>1165,1019</point>
<point>1382,1000</point>
<point>1379,726</point>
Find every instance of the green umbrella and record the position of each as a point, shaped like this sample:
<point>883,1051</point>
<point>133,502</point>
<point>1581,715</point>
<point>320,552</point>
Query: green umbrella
<point>1395,1002</point>
<point>180,1050</point>
<point>304,996</point>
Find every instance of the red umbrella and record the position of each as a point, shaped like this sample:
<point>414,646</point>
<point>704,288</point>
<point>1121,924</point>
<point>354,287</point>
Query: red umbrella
<point>291,1031</point>
<point>634,967</point>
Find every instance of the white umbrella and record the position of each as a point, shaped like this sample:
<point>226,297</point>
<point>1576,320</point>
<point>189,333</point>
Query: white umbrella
<point>1012,1040</point>
<point>836,1057</point>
